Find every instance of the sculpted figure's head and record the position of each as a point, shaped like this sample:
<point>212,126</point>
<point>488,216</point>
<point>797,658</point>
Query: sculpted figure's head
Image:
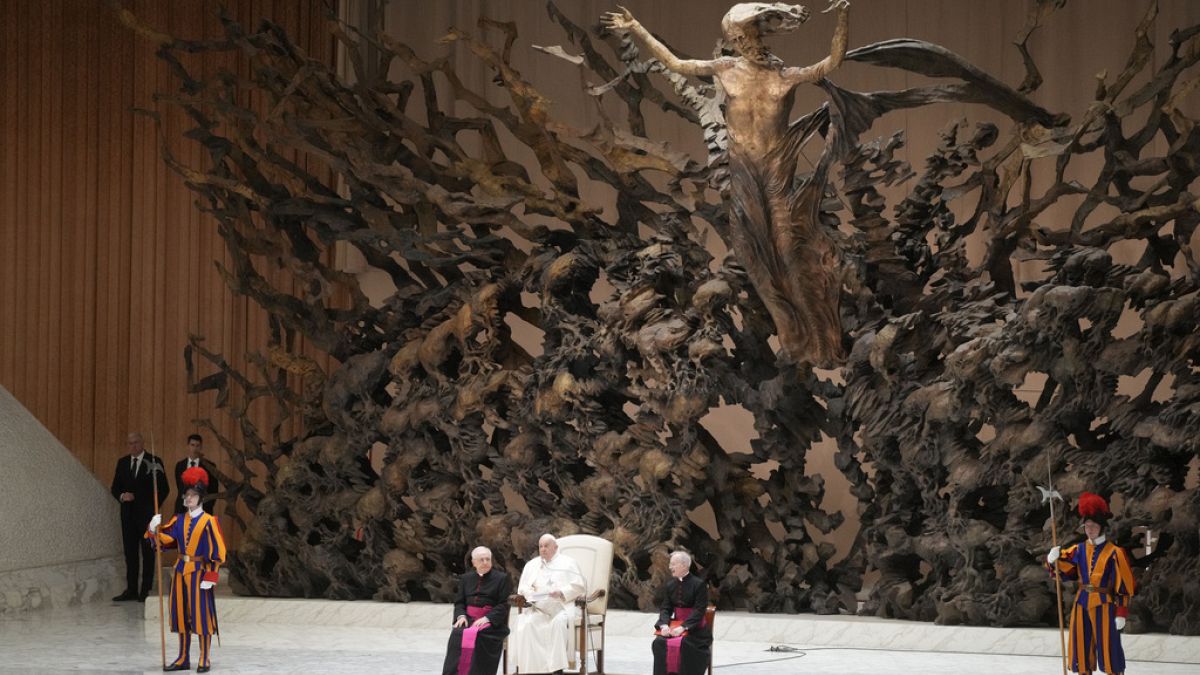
<point>754,20</point>
<point>746,23</point>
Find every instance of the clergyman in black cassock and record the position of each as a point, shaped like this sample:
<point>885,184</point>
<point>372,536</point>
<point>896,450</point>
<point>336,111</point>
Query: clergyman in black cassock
<point>480,619</point>
<point>684,598</point>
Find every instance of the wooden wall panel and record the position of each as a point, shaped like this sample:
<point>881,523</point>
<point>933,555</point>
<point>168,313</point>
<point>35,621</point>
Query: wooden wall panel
<point>106,266</point>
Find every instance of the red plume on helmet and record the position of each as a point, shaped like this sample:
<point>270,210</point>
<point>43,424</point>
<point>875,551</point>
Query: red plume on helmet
<point>1093,507</point>
<point>195,477</point>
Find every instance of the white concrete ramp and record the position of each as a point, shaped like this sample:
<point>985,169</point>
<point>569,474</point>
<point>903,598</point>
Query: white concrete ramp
<point>60,532</point>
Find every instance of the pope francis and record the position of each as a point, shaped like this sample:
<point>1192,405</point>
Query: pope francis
<point>540,640</point>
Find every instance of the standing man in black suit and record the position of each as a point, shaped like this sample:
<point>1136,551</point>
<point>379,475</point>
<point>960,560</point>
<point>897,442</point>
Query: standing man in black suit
<point>133,486</point>
<point>195,457</point>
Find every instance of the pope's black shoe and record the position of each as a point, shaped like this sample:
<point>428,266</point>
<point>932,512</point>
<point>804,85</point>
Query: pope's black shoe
<point>125,596</point>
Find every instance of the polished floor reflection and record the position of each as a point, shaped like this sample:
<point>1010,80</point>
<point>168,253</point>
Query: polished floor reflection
<point>117,639</point>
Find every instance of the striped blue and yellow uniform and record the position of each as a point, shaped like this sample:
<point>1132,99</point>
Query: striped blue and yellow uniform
<point>201,553</point>
<point>1105,589</point>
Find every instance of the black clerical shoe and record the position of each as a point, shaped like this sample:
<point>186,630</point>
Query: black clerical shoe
<point>177,666</point>
<point>124,596</point>
<point>142,597</point>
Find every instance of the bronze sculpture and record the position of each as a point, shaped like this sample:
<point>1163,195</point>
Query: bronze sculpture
<point>601,431</point>
<point>791,259</point>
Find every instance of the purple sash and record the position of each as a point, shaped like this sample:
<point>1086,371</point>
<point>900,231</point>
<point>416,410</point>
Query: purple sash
<point>674,643</point>
<point>468,637</point>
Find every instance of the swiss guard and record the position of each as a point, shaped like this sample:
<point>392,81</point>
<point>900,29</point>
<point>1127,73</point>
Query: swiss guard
<point>1105,589</point>
<point>201,551</point>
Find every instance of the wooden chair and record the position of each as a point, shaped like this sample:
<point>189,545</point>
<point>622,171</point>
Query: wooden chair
<point>710,613</point>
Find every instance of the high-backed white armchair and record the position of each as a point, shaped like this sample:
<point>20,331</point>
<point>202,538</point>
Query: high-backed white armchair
<point>594,556</point>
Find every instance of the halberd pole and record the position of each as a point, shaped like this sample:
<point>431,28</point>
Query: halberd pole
<point>162,628</point>
<point>1050,495</point>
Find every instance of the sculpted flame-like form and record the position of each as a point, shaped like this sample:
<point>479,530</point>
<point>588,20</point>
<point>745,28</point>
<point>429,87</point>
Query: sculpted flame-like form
<point>792,262</point>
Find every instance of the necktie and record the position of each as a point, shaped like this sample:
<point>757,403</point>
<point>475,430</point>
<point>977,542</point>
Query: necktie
<point>193,463</point>
<point>137,464</point>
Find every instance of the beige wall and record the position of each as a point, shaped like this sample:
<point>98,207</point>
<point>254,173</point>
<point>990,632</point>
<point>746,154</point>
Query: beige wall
<point>106,265</point>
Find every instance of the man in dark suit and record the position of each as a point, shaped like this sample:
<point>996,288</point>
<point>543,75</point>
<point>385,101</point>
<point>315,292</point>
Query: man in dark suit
<point>133,486</point>
<point>195,457</point>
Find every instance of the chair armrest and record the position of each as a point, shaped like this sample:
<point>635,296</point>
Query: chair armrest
<point>517,600</point>
<point>583,601</point>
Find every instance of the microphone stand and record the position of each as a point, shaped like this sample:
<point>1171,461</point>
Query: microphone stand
<point>585,635</point>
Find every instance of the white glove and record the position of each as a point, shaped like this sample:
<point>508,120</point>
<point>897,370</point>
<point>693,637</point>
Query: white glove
<point>1120,623</point>
<point>1053,555</point>
<point>205,585</point>
<point>155,522</point>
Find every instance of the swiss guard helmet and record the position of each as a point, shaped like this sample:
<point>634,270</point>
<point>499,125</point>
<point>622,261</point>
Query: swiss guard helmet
<point>195,480</point>
<point>1093,507</point>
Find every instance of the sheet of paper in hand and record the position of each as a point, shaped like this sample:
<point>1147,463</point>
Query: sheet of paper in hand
<point>666,632</point>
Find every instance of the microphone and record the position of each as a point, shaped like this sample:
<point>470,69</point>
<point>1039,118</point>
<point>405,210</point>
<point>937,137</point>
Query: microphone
<point>582,602</point>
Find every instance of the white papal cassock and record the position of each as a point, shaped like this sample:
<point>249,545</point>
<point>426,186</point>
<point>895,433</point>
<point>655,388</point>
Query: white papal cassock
<point>540,637</point>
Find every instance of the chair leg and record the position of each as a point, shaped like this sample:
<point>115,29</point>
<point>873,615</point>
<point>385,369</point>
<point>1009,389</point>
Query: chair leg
<point>581,642</point>
<point>600,661</point>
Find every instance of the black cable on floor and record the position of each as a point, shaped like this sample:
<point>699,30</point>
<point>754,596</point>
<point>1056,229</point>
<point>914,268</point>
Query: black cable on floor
<point>803,652</point>
<point>773,648</point>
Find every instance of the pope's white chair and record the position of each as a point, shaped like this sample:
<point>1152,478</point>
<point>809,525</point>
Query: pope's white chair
<point>594,556</point>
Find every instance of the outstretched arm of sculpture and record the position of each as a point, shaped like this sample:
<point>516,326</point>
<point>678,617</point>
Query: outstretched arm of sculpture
<point>623,20</point>
<point>841,36</point>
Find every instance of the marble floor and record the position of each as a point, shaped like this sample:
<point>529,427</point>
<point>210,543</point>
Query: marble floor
<point>114,638</point>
